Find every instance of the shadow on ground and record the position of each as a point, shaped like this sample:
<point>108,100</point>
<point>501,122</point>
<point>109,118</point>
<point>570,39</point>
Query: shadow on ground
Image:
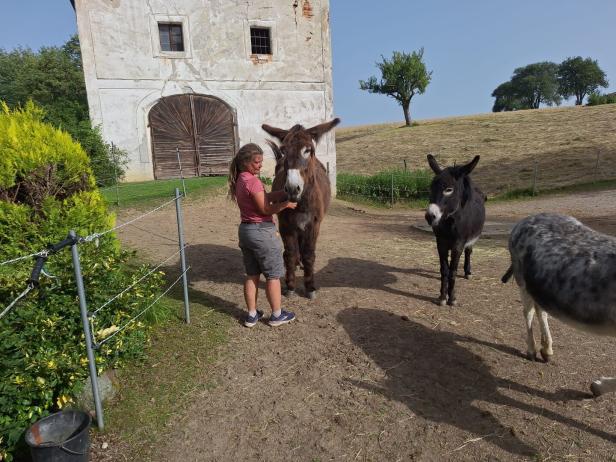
<point>432,373</point>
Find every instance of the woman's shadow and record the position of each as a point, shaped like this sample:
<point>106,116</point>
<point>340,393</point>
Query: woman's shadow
<point>440,380</point>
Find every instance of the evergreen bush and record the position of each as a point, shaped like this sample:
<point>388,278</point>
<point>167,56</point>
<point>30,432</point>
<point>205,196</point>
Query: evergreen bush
<point>46,189</point>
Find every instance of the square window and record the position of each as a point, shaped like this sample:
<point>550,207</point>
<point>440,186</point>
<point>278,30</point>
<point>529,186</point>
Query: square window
<point>260,41</point>
<point>171,38</point>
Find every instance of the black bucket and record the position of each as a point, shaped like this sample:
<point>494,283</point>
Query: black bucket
<point>60,437</point>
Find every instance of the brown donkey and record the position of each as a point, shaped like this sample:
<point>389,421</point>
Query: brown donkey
<point>304,178</point>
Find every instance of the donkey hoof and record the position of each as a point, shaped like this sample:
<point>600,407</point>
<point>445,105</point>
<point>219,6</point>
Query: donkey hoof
<point>289,293</point>
<point>312,294</point>
<point>531,356</point>
<point>467,275</point>
<point>451,302</point>
<point>545,355</point>
<point>598,387</point>
<point>442,301</point>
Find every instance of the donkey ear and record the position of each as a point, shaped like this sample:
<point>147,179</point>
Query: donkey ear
<point>434,165</point>
<point>468,168</point>
<point>278,155</point>
<point>275,132</point>
<point>319,130</point>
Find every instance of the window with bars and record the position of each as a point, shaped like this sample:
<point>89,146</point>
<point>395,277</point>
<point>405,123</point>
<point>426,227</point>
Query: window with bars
<point>171,38</point>
<point>260,41</point>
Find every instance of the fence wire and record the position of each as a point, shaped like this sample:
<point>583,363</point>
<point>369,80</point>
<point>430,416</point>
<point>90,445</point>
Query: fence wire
<point>41,253</point>
<point>125,325</point>
<point>94,236</point>
<point>14,302</point>
<point>93,314</point>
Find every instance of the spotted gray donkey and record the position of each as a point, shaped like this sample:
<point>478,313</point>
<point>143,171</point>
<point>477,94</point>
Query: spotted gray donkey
<point>568,270</point>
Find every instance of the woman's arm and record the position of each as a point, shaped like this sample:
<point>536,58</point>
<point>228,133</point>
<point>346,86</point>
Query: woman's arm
<point>265,207</point>
<point>276,196</point>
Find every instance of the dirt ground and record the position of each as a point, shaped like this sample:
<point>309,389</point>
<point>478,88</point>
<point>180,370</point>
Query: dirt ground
<point>373,369</point>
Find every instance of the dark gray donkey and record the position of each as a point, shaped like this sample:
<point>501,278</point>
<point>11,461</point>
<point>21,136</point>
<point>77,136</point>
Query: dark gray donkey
<point>456,214</point>
<point>568,270</point>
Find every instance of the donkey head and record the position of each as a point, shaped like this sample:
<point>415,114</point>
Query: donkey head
<point>295,155</point>
<point>449,191</point>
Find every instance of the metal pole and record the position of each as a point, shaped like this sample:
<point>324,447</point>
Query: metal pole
<point>535,172</point>
<point>404,165</point>
<point>178,209</point>
<point>597,166</point>
<point>86,330</point>
<point>177,152</point>
<point>115,174</point>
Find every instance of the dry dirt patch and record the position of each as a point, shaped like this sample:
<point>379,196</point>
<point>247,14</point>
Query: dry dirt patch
<point>374,369</point>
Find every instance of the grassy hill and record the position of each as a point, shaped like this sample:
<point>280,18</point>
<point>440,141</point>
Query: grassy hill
<point>564,143</point>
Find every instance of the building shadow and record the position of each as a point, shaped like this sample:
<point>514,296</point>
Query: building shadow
<point>440,380</point>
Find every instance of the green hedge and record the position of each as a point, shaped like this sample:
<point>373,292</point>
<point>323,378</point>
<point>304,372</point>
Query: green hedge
<point>384,187</point>
<point>47,188</point>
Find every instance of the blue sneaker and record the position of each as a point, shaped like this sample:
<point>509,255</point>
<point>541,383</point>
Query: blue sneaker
<point>283,318</point>
<point>251,321</point>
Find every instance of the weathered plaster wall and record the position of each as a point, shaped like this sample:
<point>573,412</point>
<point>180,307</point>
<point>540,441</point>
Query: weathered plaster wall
<point>126,73</point>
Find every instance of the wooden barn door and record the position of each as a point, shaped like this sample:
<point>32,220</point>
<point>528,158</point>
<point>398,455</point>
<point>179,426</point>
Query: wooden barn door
<point>201,128</point>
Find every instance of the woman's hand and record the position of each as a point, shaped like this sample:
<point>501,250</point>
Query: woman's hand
<point>290,205</point>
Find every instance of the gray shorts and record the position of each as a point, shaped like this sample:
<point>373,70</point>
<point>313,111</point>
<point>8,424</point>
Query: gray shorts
<point>262,249</point>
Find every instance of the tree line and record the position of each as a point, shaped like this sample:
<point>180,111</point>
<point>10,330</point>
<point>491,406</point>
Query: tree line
<point>53,79</point>
<point>405,75</point>
<point>549,83</point>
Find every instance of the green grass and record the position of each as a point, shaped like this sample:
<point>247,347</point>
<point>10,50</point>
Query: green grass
<point>154,390</point>
<point>144,194</point>
<point>385,188</point>
<point>527,193</point>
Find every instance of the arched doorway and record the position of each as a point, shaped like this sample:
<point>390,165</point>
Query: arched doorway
<point>201,129</point>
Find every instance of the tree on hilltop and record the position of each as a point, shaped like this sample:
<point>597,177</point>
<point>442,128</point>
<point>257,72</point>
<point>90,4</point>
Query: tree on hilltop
<point>579,77</point>
<point>530,86</point>
<point>402,77</point>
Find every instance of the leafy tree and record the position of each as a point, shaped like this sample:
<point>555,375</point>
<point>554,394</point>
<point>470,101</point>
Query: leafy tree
<point>506,98</point>
<point>530,86</point>
<point>578,77</point>
<point>401,78</point>
<point>53,78</point>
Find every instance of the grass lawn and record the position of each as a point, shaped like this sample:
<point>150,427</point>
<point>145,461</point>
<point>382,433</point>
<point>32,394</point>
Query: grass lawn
<point>147,193</point>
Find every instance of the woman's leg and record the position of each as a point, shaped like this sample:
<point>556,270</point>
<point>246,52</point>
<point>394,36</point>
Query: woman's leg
<point>272,290</point>
<point>251,290</point>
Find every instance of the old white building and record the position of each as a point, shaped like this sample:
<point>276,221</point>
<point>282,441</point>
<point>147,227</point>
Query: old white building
<point>199,77</point>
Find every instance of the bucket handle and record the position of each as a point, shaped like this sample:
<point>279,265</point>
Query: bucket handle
<point>70,451</point>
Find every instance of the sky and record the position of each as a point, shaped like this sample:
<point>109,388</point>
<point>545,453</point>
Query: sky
<point>470,46</point>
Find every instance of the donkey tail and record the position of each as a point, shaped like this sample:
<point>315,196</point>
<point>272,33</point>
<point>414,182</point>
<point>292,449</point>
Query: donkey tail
<point>507,275</point>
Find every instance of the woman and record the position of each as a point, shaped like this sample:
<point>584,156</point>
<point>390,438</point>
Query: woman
<point>258,237</point>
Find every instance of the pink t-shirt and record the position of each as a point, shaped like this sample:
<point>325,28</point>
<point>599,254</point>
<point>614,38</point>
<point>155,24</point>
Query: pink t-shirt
<point>246,187</point>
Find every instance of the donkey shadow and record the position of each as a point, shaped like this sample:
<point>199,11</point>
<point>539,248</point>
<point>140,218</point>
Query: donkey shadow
<point>365,274</point>
<point>440,380</point>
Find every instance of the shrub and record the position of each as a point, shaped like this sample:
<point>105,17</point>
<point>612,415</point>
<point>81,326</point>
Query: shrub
<point>47,188</point>
<point>403,185</point>
<point>595,99</point>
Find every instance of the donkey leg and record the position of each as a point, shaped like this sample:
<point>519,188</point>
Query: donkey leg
<point>308,253</point>
<point>467,262</point>
<point>453,270</point>
<point>603,385</point>
<point>529,313</point>
<point>546,336</point>
<point>290,259</point>
<point>443,252</point>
